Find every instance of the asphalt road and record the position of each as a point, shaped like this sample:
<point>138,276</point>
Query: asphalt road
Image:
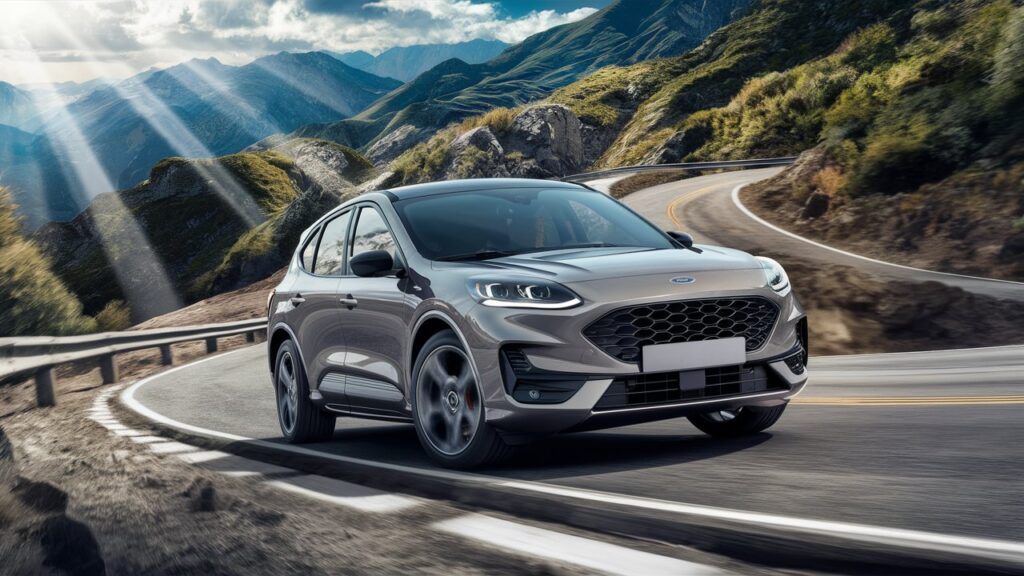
<point>925,441</point>
<point>705,208</point>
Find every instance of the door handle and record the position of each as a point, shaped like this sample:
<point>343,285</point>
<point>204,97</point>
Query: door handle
<point>296,300</point>
<point>349,302</point>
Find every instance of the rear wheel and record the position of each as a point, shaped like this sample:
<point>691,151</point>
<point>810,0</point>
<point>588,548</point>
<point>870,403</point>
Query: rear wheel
<point>448,408</point>
<point>301,421</point>
<point>738,422</point>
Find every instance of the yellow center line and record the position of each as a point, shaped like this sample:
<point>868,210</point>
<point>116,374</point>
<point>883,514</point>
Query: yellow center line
<point>909,400</point>
<point>670,211</point>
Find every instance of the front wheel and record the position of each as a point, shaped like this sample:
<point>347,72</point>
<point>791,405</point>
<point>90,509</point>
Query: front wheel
<point>301,421</point>
<point>741,421</point>
<point>448,407</point>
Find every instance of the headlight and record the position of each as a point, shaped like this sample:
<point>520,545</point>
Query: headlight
<point>521,293</point>
<point>775,274</point>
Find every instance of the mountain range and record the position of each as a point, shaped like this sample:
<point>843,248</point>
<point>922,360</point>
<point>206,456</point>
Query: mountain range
<point>408,62</point>
<point>621,33</point>
<point>200,108</point>
<point>16,107</point>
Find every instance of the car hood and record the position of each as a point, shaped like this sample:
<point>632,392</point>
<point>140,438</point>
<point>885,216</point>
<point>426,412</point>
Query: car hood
<point>582,265</point>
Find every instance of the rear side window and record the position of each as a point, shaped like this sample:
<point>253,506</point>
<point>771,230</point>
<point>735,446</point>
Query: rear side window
<point>330,257</point>
<point>309,252</point>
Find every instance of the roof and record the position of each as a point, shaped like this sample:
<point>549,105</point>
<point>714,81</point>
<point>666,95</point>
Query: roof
<point>450,186</point>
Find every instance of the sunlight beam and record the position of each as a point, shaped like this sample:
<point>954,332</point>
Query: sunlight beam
<point>175,133</point>
<point>139,272</point>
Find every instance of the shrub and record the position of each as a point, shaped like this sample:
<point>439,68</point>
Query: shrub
<point>829,180</point>
<point>897,163</point>
<point>115,316</point>
<point>498,120</point>
<point>35,301</point>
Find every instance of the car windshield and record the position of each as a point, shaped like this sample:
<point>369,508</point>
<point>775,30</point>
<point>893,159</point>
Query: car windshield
<point>485,224</point>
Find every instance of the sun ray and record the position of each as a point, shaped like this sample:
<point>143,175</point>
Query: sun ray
<point>169,126</point>
<point>139,272</point>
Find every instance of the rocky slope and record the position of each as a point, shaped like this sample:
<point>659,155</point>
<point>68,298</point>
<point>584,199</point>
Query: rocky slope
<point>206,225</point>
<point>621,33</point>
<point>541,141</point>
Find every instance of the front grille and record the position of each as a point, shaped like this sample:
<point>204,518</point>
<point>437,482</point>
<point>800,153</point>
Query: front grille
<point>667,387</point>
<point>624,332</point>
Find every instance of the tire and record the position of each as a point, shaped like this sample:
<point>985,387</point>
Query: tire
<point>743,421</point>
<point>448,409</point>
<point>301,421</point>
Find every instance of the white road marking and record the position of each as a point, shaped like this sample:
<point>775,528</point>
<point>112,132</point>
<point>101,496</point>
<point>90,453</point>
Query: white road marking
<point>981,547</point>
<point>1004,549</point>
<point>129,432</point>
<point>593,554</point>
<point>204,456</point>
<point>147,439</point>
<point>345,494</point>
<point>763,222</point>
<point>171,447</point>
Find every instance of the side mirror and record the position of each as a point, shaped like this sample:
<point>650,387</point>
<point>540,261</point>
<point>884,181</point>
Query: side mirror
<point>372,263</point>
<point>685,240</point>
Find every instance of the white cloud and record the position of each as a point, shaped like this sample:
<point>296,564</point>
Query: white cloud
<point>139,34</point>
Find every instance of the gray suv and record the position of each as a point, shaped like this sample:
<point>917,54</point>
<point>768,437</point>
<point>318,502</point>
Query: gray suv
<point>491,312</point>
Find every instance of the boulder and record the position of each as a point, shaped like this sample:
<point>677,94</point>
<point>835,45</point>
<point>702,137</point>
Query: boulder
<point>816,205</point>
<point>550,139</point>
<point>476,154</point>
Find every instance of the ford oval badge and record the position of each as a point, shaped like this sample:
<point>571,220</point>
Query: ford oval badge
<point>682,280</point>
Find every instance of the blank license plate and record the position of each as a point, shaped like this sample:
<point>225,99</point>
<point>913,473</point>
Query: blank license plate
<point>693,355</point>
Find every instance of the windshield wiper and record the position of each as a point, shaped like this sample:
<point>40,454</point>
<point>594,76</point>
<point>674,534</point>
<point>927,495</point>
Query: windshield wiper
<point>478,255</point>
<point>591,245</point>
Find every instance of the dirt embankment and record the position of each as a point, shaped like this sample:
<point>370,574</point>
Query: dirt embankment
<point>630,184</point>
<point>851,312</point>
<point>970,223</point>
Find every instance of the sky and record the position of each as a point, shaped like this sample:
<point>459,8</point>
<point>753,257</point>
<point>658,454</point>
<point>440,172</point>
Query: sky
<point>77,40</point>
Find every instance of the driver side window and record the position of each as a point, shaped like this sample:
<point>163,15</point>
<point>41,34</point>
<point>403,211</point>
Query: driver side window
<point>330,257</point>
<point>371,233</point>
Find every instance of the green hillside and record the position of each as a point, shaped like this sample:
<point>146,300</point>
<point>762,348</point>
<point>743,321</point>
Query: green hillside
<point>651,100</point>
<point>202,243</point>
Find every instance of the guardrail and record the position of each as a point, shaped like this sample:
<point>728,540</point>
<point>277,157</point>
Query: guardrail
<point>753,163</point>
<point>39,355</point>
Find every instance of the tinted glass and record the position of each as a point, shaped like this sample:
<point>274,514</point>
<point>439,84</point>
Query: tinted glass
<point>308,251</point>
<point>449,226</point>
<point>330,257</point>
<point>372,234</point>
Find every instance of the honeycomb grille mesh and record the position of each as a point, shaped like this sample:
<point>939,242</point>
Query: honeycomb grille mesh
<point>624,332</point>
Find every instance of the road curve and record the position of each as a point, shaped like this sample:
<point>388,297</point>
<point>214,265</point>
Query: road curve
<point>706,207</point>
<point>919,441</point>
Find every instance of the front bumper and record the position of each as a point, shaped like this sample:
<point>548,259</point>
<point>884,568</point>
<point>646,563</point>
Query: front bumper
<point>581,375</point>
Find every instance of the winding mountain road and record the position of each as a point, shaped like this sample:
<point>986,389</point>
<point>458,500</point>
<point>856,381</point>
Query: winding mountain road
<point>920,441</point>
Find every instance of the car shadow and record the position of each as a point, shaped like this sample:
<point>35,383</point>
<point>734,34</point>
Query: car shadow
<point>560,456</point>
<point>591,453</point>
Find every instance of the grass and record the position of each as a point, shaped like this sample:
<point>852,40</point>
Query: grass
<point>36,301</point>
